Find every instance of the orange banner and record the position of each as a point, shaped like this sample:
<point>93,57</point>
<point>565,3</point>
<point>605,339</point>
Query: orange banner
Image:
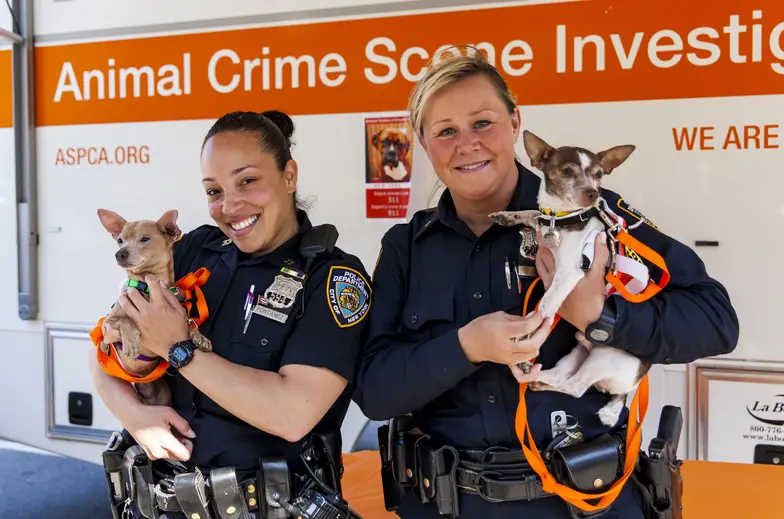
<point>6,90</point>
<point>573,52</point>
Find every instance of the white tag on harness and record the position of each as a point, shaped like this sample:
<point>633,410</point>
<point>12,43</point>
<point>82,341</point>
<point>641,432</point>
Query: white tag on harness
<point>637,272</point>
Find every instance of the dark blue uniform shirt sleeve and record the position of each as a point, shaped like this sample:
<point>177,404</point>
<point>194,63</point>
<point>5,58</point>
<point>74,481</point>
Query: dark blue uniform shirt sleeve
<point>691,318</point>
<point>331,331</point>
<point>397,377</point>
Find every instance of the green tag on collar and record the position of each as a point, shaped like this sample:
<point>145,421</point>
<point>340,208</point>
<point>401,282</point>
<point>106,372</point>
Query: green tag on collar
<point>141,286</point>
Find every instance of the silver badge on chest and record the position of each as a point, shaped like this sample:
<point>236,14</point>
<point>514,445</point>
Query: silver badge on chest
<point>282,292</point>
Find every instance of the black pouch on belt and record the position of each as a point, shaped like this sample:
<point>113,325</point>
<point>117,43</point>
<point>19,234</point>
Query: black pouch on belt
<point>588,467</point>
<point>275,479</point>
<point>138,480</point>
<point>192,494</point>
<point>437,469</point>
<point>392,490</point>
<point>228,496</point>
<point>112,458</point>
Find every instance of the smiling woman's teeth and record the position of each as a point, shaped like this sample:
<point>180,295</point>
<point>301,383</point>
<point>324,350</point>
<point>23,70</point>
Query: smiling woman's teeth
<point>472,167</point>
<point>238,226</point>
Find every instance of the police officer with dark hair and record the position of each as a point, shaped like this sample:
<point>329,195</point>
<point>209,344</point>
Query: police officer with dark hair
<point>448,329</point>
<point>254,426</point>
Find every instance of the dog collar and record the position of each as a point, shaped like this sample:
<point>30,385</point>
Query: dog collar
<point>551,218</point>
<point>141,286</point>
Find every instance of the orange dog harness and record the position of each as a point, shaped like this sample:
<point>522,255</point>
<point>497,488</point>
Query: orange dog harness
<point>617,283</point>
<point>190,287</point>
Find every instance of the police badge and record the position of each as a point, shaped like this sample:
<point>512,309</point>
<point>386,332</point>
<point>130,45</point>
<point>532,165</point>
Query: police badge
<point>282,292</point>
<point>278,298</point>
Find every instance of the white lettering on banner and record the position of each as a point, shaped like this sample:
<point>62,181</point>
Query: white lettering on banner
<point>741,40</point>
<point>666,48</point>
<point>329,65</point>
<point>514,51</point>
<point>168,80</point>
<point>287,70</point>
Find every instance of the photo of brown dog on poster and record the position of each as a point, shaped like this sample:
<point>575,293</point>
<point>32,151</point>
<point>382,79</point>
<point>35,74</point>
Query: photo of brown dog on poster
<point>389,150</point>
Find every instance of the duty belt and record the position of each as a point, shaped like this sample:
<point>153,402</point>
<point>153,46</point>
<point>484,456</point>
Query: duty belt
<point>436,473</point>
<point>275,490</point>
<point>497,476</point>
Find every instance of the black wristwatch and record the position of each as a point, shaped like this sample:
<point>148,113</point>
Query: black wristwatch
<point>601,332</point>
<point>181,353</point>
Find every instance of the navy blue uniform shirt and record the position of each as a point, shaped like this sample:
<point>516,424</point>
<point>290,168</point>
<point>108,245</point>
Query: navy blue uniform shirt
<point>336,296</point>
<point>434,276</point>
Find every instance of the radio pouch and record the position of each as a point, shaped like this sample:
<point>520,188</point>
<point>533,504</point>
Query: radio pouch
<point>392,490</point>
<point>588,467</point>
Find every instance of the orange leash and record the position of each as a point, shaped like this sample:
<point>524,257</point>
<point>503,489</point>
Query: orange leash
<point>637,410</point>
<point>189,286</point>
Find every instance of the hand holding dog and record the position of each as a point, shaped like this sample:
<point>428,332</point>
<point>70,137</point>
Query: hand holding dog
<point>585,303</point>
<point>495,337</point>
<point>162,321</point>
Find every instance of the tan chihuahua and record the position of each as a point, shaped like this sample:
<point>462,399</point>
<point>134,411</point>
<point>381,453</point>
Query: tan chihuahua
<point>145,249</point>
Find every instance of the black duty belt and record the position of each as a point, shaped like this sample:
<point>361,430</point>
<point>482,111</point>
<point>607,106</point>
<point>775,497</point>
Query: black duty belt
<point>498,476</point>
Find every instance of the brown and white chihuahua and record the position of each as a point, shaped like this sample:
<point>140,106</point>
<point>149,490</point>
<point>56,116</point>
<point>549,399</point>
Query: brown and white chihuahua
<point>571,188</point>
<point>145,248</point>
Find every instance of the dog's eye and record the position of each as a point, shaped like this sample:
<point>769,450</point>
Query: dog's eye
<point>144,239</point>
<point>119,241</point>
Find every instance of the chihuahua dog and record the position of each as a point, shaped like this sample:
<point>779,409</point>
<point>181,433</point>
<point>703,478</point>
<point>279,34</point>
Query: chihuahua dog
<point>145,247</point>
<point>571,188</point>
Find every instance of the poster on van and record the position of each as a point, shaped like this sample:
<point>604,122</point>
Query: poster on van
<point>389,155</point>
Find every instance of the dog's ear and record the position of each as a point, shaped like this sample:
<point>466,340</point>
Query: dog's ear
<point>406,144</point>
<point>375,138</point>
<point>614,157</point>
<point>168,224</point>
<point>538,150</point>
<point>112,222</point>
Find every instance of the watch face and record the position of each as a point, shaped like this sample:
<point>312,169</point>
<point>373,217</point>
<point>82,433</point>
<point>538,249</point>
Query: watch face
<point>179,354</point>
<point>599,335</point>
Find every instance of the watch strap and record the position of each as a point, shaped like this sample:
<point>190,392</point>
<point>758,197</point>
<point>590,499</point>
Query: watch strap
<point>601,332</point>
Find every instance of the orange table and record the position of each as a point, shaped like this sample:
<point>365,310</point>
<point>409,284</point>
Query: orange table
<point>711,490</point>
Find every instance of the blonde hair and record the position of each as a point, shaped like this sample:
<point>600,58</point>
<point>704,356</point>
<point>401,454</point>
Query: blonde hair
<point>447,68</point>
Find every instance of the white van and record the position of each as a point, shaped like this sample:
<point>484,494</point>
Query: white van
<point>125,91</point>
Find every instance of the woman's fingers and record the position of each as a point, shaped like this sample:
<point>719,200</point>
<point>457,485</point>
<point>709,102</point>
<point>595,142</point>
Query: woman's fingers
<point>521,376</point>
<point>523,326</point>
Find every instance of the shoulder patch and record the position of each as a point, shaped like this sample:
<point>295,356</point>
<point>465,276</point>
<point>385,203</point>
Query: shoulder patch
<point>348,293</point>
<point>628,209</point>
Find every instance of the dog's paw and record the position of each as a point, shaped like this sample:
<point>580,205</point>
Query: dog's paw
<point>583,341</point>
<point>547,307</point>
<point>104,348</point>
<point>510,218</point>
<point>610,413</point>
<point>538,385</point>
<point>202,343</point>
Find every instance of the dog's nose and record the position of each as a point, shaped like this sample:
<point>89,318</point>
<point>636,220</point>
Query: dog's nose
<point>593,195</point>
<point>121,255</point>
